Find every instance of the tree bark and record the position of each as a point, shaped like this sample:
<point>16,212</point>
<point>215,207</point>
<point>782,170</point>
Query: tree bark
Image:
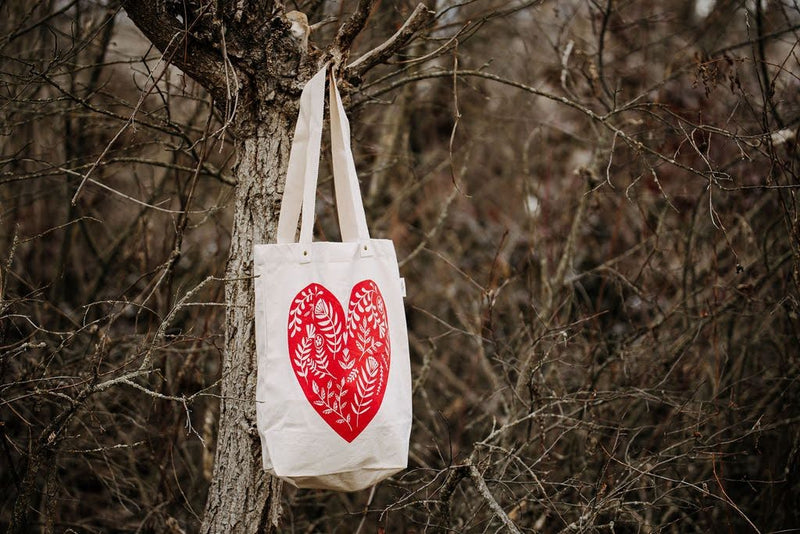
<point>263,82</point>
<point>242,498</point>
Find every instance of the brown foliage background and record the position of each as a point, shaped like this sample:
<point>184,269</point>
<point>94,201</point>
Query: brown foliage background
<point>594,204</point>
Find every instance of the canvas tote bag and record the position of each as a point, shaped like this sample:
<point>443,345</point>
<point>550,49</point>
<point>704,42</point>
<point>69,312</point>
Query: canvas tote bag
<point>333,398</point>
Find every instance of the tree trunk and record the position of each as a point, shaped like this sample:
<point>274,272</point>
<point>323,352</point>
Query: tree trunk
<point>245,49</point>
<point>242,497</point>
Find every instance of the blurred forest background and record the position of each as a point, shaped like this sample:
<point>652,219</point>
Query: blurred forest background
<point>595,209</point>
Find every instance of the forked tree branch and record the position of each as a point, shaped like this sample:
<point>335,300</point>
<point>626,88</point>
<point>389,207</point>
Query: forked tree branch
<point>418,19</point>
<point>351,28</point>
<point>180,48</point>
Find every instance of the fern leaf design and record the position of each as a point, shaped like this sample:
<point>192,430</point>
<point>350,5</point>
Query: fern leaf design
<point>330,326</point>
<point>365,386</point>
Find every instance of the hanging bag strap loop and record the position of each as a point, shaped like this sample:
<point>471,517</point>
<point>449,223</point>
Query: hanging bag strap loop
<point>299,197</point>
<point>352,220</point>
<point>307,138</point>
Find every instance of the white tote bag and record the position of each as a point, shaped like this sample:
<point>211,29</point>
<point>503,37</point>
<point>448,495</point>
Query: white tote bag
<point>334,378</point>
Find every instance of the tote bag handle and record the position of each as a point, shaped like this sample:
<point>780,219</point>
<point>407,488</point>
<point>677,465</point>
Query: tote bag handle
<point>299,197</point>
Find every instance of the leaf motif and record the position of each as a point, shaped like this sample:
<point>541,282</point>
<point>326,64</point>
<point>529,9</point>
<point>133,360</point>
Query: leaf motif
<point>321,310</point>
<point>372,366</point>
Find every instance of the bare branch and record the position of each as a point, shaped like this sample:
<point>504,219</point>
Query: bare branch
<point>601,119</point>
<point>418,19</point>
<point>199,61</point>
<point>350,29</point>
<point>483,489</point>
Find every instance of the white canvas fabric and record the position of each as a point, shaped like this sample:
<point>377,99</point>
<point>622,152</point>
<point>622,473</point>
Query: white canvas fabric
<point>333,399</point>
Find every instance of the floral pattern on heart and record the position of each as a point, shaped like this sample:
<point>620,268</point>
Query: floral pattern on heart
<point>341,362</point>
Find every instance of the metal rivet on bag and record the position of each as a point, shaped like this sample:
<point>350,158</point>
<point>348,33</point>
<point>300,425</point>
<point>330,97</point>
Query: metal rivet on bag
<point>365,247</point>
<point>305,253</point>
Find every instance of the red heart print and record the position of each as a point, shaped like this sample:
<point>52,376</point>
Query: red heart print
<point>341,363</point>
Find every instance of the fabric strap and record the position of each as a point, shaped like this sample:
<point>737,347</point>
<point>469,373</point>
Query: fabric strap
<point>299,197</point>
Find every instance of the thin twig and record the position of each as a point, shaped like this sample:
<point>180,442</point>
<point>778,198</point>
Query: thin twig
<point>418,19</point>
<point>483,489</point>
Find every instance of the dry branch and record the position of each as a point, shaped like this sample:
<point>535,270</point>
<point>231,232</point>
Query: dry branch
<point>418,19</point>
